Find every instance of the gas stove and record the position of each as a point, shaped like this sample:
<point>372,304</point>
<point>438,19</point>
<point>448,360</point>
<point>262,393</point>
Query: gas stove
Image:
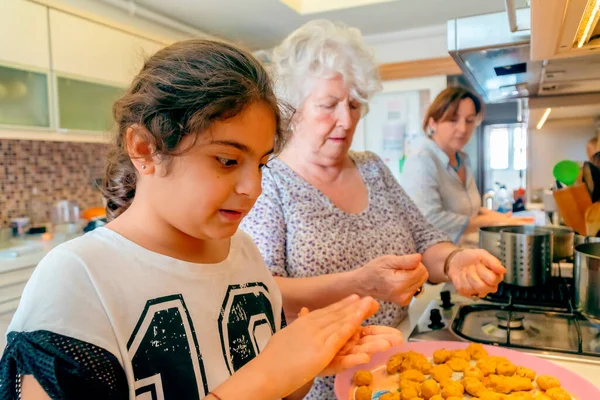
<point>537,320</point>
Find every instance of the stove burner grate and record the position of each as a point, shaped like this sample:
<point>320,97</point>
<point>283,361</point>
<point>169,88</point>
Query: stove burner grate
<point>555,294</point>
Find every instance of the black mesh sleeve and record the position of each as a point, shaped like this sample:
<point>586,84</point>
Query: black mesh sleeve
<point>283,320</point>
<point>65,367</point>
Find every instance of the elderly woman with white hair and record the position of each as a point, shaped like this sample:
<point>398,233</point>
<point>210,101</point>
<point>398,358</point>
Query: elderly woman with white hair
<point>331,222</point>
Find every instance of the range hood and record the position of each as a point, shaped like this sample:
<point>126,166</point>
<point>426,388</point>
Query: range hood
<point>494,53</point>
<point>495,60</point>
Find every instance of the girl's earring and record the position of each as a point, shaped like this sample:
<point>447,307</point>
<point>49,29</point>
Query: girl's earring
<point>143,167</point>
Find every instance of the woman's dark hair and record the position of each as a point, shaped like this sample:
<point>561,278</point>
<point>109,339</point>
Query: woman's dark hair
<point>445,105</point>
<point>182,90</point>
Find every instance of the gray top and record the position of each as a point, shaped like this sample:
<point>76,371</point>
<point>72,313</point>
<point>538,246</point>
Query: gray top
<point>435,187</point>
<point>301,233</point>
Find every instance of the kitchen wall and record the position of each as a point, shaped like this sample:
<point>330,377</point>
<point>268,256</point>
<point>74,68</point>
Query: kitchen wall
<point>557,140</point>
<point>409,44</point>
<point>406,45</point>
<point>58,170</point>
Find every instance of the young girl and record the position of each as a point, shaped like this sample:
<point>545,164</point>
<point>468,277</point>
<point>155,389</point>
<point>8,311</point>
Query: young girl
<point>169,300</point>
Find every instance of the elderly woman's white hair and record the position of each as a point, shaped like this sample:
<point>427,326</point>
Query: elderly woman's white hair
<point>324,49</point>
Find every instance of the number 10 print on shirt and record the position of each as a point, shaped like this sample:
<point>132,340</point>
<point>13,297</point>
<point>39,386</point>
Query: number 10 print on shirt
<point>163,348</point>
<point>246,323</point>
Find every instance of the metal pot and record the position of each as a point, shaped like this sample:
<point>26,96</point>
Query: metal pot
<point>586,274</point>
<point>563,240</point>
<point>526,252</point>
<point>580,239</point>
<point>489,238</point>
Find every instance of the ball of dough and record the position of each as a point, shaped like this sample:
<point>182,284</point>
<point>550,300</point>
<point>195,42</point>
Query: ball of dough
<point>525,373</point>
<point>441,356</point>
<point>506,368</point>
<point>406,384</point>
<point>487,366</point>
<point>464,354</point>
<point>412,360</point>
<point>441,372</point>
<point>520,384</point>
<point>490,395</point>
<point>425,367</point>
<point>520,396</point>
<point>557,393</point>
<point>452,388</point>
<point>409,394</point>
<point>474,372</point>
<point>477,351</point>
<point>500,384</point>
<point>363,393</point>
<point>546,382</point>
<point>457,364</point>
<point>394,363</point>
<point>412,375</point>
<point>473,386</point>
<point>429,388</point>
<point>363,378</point>
<point>390,396</point>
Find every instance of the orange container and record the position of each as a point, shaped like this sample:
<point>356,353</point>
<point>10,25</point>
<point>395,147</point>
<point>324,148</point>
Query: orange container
<point>91,213</point>
<point>573,202</point>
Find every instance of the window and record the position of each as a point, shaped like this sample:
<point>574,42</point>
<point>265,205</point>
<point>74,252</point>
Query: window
<point>507,147</point>
<point>505,156</point>
<point>519,149</point>
<point>498,148</point>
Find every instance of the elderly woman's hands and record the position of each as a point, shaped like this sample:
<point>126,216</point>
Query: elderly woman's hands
<point>475,272</point>
<point>392,278</point>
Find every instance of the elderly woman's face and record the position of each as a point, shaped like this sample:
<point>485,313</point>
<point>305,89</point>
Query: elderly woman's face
<point>455,133</point>
<point>326,122</point>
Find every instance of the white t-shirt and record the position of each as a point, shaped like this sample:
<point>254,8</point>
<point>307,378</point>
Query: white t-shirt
<point>176,328</point>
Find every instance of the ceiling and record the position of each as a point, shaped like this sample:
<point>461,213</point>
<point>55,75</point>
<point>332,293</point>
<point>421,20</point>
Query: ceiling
<point>588,112</point>
<point>261,24</point>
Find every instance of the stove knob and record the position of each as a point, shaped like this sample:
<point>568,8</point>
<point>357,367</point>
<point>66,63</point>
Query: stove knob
<point>436,319</point>
<point>446,299</point>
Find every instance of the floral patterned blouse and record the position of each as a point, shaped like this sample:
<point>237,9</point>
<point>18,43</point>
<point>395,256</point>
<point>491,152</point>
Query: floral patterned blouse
<point>301,233</point>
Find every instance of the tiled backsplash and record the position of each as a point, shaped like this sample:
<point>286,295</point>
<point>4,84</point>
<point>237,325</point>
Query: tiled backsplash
<point>58,170</point>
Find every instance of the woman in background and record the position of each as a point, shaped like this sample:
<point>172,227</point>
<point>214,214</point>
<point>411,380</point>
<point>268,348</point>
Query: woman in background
<point>591,148</point>
<point>439,177</point>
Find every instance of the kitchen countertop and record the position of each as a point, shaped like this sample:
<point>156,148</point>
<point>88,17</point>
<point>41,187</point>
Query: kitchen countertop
<point>432,292</point>
<point>33,254</point>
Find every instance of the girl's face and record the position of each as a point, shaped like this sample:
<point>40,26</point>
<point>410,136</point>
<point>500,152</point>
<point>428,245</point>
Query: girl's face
<point>207,190</point>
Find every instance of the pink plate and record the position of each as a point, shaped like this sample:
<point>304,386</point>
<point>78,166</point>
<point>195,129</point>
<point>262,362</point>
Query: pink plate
<point>576,385</point>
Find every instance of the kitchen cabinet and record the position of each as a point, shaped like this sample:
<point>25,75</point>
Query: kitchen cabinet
<point>85,106</point>
<point>88,49</point>
<point>24,33</point>
<point>24,98</point>
<point>60,73</point>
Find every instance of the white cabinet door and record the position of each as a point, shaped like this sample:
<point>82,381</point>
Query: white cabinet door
<point>24,34</point>
<point>91,50</point>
